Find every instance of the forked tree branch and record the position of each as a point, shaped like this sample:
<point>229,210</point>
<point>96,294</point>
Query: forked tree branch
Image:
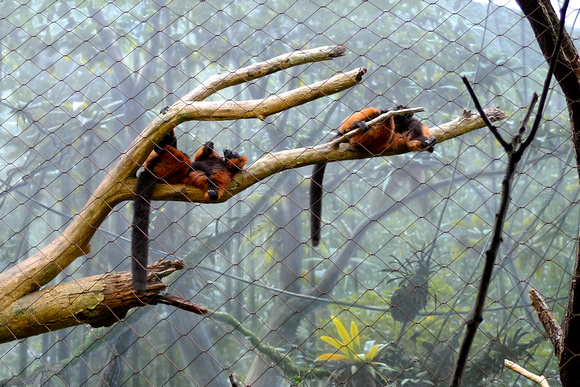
<point>32,273</point>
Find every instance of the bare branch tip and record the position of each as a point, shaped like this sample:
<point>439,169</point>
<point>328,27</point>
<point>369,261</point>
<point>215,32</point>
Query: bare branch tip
<point>338,50</point>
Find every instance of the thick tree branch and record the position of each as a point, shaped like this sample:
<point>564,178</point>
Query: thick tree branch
<point>36,271</point>
<point>273,163</point>
<point>546,26</point>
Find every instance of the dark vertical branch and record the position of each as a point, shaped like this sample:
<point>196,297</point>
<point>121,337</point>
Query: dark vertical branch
<point>514,153</point>
<point>569,358</point>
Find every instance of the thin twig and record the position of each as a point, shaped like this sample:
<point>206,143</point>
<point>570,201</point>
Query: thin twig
<point>529,112</point>
<point>492,128</point>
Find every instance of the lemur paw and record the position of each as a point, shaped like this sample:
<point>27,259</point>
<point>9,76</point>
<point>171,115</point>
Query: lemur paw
<point>362,125</point>
<point>212,194</point>
<point>207,150</point>
<point>230,154</point>
<point>429,144</point>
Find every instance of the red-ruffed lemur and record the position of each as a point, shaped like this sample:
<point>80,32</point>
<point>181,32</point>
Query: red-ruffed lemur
<point>209,172</point>
<point>402,132</point>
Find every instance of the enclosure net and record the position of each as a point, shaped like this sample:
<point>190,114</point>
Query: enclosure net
<point>382,300</point>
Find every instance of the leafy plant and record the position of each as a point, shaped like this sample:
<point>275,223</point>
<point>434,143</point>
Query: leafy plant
<point>355,366</point>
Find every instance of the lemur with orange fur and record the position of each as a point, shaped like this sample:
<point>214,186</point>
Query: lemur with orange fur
<point>209,172</point>
<point>402,132</point>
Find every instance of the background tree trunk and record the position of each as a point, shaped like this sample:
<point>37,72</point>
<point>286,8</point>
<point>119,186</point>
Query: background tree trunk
<point>544,22</point>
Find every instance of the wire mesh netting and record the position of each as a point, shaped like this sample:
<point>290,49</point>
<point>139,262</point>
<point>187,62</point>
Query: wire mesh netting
<point>384,298</point>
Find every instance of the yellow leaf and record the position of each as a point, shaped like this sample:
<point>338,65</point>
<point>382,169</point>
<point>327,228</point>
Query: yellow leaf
<point>342,332</point>
<point>332,356</point>
<point>460,223</point>
<point>372,353</point>
<point>332,341</point>
<point>477,221</point>
<point>336,344</point>
<point>355,337</point>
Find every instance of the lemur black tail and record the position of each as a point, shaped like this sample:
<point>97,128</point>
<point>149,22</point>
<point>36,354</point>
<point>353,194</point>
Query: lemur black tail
<point>140,232</point>
<point>316,187</point>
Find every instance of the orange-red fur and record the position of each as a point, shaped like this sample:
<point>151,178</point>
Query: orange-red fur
<point>212,173</point>
<point>171,165</point>
<point>208,171</point>
<point>387,134</point>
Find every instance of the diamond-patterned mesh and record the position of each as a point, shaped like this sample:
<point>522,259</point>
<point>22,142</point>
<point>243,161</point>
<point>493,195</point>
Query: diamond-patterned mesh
<point>385,297</point>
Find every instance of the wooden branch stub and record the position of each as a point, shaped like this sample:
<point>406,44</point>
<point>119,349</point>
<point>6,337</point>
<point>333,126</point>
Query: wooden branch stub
<point>99,301</point>
<point>180,303</point>
<point>549,322</point>
<point>540,379</point>
<point>467,119</point>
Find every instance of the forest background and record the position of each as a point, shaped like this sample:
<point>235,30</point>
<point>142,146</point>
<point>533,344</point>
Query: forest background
<point>79,82</point>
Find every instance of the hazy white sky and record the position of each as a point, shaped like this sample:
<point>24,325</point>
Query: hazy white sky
<point>511,3</point>
<point>573,7</point>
